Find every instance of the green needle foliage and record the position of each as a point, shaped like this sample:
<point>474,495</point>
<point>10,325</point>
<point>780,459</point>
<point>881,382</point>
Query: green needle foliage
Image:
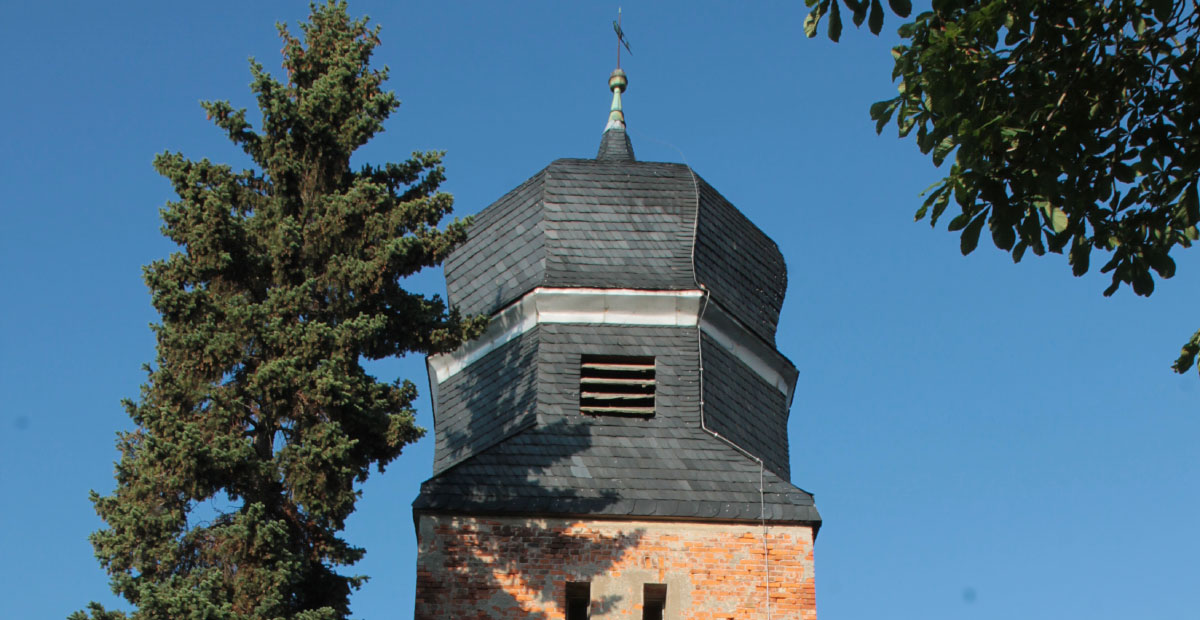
<point>1073,125</point>
<point>257,420</point>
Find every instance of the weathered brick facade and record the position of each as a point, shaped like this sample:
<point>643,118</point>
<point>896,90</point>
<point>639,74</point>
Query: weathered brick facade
<point>512,567</point>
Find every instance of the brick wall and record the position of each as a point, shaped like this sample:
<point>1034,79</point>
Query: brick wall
<point>477,567</point>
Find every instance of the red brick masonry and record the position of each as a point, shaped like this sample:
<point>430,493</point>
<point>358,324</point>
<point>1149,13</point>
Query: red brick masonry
<point>475,567</point>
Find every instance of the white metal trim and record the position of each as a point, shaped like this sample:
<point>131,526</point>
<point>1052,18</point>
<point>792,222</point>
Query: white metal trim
<point>736,339</point>
<point>614,307</point>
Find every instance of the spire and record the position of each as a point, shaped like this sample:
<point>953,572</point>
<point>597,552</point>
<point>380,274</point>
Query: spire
<point>617,82</point>
<point>615,142</point>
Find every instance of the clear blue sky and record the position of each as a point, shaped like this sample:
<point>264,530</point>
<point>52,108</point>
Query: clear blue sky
<point>984,440</point>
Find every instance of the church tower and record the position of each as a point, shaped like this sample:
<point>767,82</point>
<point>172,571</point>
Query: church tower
<point>615,444</point>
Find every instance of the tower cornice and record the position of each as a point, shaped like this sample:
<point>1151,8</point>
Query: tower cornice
<point>626,307</point>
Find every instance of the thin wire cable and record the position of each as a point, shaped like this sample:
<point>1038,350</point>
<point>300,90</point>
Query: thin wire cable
<point>762,492</point>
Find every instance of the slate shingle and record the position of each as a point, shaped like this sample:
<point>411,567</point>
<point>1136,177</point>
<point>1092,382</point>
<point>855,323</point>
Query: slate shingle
<point>615,223</point>
<point>487,401</point>
<point>510,436</point>
<point>723,484</point>
<point>615,145</point>
<point>742,406</point>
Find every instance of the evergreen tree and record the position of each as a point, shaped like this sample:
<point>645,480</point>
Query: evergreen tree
<point>257,419</point>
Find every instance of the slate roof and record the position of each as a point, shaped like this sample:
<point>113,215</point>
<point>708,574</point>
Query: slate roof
<point>744,408</point>
<point>615,145</point>
<point>486,402</point>
<point>507,443</point>
<point>615,222</point>
<point>576,468</point>
<point>510,436</point>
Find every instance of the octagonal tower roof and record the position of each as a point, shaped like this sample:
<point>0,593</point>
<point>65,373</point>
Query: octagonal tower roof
<point>615,222</point>
<point>615,262</point>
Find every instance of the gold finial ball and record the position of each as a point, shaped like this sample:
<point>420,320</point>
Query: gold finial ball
<point>617,81</point>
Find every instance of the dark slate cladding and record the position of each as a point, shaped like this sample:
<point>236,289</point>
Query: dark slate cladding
<point>510,435</point>
<point>487,401</point>
<point>744,408</point>
<point>677,387</point>
<point>572,466</point>
<point>615,145</point>
<point>619,224</point>
<point>504,253</point>
<point>615,223</point>
<point>663,466</point>
<point>739,264</point>
<point>579,223</point>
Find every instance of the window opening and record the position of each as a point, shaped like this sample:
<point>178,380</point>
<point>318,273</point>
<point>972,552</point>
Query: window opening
<point>579,599</point>
<point>621,385</point>
<point>654,601</point>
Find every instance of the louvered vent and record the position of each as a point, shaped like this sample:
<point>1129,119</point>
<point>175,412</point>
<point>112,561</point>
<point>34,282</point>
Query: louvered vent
<point>611,384</point>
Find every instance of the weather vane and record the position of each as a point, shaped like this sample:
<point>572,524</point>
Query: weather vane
<point>620,37</point>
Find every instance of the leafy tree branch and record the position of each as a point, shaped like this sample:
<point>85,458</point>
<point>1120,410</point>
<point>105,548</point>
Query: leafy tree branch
<point>1071,126</point>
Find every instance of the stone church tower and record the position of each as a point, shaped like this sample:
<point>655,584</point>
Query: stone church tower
<point>615,445</point>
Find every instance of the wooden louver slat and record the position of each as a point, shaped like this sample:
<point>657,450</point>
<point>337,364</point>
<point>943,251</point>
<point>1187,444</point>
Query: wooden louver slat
<point>647,411</point>
<point>616,381</point>
<point>613,366</point>
<point>616,385</point>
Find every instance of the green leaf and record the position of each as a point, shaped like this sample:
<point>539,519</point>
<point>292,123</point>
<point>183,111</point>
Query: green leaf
<point>1143,283</point>
<point>1080,255</point>
<point>1055,242</point>
<point>834,30</point>
<point>814,19</point>
<point>881,113</point>
<point>938,208</point>
<point>1161,263</point>
<point>1187,355</point>
<point>959,222</point>
<point>970,234</point>
<point>1162,9</point>
<point>858,11</point>
<point>937,199</point>
<point>1058,219</point>
<point>905,123</point>
<point>1123,172</point>
<point>928,201</point>
<point>1019,251</point>
<point>875,20</point>
<point>943,149</point>
<point>1191,202</point>
<point>903,8</point>
<point>1003,236</point>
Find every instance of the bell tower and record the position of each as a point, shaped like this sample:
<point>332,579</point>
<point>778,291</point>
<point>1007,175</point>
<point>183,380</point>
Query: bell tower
<point>615,444</point>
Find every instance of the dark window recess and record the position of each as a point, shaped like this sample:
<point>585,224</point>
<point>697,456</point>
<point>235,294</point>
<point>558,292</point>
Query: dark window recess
<point>610,384</point>
<point>654,601</point>
<point>579,598</point>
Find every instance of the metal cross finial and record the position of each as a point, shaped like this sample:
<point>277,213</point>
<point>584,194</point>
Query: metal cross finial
<point>620,37</point>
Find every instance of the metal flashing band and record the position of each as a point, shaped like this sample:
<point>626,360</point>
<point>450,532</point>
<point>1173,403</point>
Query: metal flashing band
<point>619,307</point>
